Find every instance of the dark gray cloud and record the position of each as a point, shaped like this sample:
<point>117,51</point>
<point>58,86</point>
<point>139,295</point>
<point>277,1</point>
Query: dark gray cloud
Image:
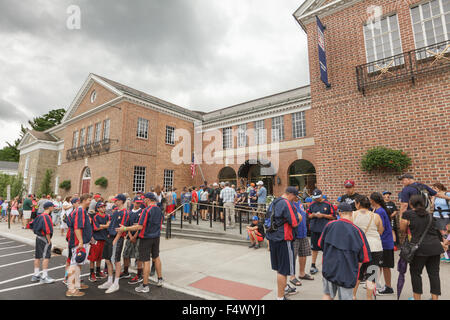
<point>200,54</point>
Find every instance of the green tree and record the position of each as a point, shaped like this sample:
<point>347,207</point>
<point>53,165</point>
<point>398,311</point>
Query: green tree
<point>48,120</point>
<point>16,183</point>
<point>42,123</point>
<point>45,185</point>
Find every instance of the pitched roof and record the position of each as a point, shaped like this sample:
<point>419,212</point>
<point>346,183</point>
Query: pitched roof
<point>42,136</point>
<point>9,165</point>
<point>146,97</point>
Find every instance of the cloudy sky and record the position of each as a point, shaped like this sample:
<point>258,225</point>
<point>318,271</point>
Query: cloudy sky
<point>199,54</point>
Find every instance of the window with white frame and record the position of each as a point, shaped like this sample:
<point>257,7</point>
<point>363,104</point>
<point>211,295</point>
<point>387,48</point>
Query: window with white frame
<point>75,139</point>
<point>431,23</point>
<point>106,125</point>
<point>98,131</point>
<point>139,179</point>
<point>90,133</point>
<point>30,186</point>
<point>277,129</point>
<point>82,136</point>
<point>142,129</point>
<point>56,185</point>
<point>168,179</point>
<point>170,135</point>
<point>27,166</point>
<point>227,134</point>
<point>298,125</point>
<point>260,132</point>
<point>242,135</point>
<point>59,158</point>
<point>382,39</point>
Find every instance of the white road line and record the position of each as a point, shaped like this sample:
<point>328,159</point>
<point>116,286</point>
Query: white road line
<point>7,242</point>
<point>13,263</point>
<point>34,284</point>
<point>28,275</point>
<point>22,245</point>
<point>13,254</point>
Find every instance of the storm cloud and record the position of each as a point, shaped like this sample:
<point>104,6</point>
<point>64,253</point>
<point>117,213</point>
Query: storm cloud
<point>199,54</point>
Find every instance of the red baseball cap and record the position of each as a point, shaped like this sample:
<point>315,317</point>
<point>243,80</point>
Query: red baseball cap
<point>349,183</point>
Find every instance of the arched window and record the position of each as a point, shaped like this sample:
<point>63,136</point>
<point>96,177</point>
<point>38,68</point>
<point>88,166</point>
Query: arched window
<point>227,174</point>
<point>302,173</point>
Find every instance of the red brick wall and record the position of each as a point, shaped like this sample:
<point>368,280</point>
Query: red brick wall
<point>415,118</point>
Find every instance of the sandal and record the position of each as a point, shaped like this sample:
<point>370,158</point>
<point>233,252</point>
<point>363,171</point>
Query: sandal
<point>306,277</point>
<point>296,282</point>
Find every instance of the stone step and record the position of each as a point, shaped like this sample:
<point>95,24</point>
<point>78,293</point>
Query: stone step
<point>205,238</point>
<point>207,232</point>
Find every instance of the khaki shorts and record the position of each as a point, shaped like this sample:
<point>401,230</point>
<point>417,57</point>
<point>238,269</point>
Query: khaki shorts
<point>27,214</point>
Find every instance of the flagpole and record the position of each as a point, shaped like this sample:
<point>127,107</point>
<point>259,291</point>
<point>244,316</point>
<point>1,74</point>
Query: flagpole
<point>201,171</point>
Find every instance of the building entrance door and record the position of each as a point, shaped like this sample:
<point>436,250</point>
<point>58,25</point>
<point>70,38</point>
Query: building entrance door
<point>86,181</point>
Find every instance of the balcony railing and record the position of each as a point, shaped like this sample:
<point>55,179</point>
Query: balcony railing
<point>89,149</point>
<point>405,66</point>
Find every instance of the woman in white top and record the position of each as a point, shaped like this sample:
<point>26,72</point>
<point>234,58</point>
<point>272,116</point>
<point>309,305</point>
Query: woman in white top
<point>66,210</point>
<point>203,203</point>
<point>372,226</point>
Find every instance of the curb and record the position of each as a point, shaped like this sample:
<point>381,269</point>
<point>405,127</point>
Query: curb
<point>166,284</point>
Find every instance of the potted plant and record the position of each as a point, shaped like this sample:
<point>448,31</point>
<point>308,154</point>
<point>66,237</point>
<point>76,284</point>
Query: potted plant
<point>385,159</point>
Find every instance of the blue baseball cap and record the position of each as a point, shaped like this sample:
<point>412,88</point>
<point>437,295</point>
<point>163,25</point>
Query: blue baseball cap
<point>99,204</point>
<point>316,194</point>
<point>137,199</point>
<point>345,207</point>
<point>81,255</point>
<point>48,204</point>
<point>292,190</point>
<point>120,197</point>
<point>74,200</point>
<point>308,200</point>
<point>386,192</point>
<point>339,199</point>
<point>255,218</point>
<point>150,195</point>
<point>324,197</point>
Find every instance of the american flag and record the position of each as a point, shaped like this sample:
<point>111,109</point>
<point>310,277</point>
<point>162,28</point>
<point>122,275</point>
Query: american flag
<point>193,167</point>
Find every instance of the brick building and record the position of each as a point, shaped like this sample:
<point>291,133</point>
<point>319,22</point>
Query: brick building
<point>388,67</point>
<point>390,86</point>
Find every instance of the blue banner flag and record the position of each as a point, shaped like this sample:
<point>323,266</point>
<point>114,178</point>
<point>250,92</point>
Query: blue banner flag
<point>322,53</point>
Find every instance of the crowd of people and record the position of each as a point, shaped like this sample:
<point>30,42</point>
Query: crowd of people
<point>357,236</point>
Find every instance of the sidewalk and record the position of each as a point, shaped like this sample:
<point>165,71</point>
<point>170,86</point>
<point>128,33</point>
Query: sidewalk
<point>223,271</point>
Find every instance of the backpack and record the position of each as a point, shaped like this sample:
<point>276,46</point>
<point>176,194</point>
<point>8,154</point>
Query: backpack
<point>423,192</point>
<point>268,222</point>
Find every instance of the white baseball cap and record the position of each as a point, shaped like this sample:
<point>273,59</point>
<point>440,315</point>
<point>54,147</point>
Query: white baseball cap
<point>260,183</point>
<point>215,184</point>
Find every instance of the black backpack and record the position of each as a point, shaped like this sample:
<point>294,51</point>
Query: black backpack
<point>423,192</point>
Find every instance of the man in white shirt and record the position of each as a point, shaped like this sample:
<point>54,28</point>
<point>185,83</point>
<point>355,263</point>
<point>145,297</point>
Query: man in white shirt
<point>228,195</point>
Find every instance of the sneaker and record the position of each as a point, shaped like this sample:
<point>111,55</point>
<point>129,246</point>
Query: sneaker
<point>35,278</point>
<point>385,291</point>
<point>290,291</point>
<point>257,246</point>
<point>106,285</point>
<point>160,282</point>
<point>444,259</point>
<point>125,275</point>
<point>143,289</point>
<point>313,270</point>
<point>251,245</point>
<point>92,277</point>
<point>113,288</point>
<point>75,293</point>
<point>65,281</point>
<point>47,280</point>
<point>136,279</point>
<point>100,275</point>
<point>152,271</point>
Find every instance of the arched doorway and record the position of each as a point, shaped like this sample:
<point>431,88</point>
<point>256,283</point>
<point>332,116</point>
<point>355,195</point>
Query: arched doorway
<point>256,170</point>
<point>86,180</point>
<point>227,174</point>
<point>302,173</point>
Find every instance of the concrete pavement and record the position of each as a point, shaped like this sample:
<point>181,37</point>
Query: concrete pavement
<point>219,271</point>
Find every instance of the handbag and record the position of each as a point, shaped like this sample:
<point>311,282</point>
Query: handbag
<point>409,249</point>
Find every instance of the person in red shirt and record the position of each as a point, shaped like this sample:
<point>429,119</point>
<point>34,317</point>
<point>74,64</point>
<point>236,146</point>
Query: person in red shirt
<point>194,201</point>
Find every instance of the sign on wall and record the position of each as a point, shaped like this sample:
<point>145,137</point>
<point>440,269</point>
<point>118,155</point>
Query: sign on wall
<point>322,53</point>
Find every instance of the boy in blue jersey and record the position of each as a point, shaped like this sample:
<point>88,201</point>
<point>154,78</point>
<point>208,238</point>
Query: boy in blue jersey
<point>284,218</point>
<point>81,237</point>
<point>112,250</point>
<point>320,212</point>
<point>149,232</point>
<point>43,229</point>
<point>345,248</point>
<point>100,223</point>
<point>131,249</point>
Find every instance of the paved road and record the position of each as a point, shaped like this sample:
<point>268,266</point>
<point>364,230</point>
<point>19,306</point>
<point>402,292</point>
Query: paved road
<point>16,269</point>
